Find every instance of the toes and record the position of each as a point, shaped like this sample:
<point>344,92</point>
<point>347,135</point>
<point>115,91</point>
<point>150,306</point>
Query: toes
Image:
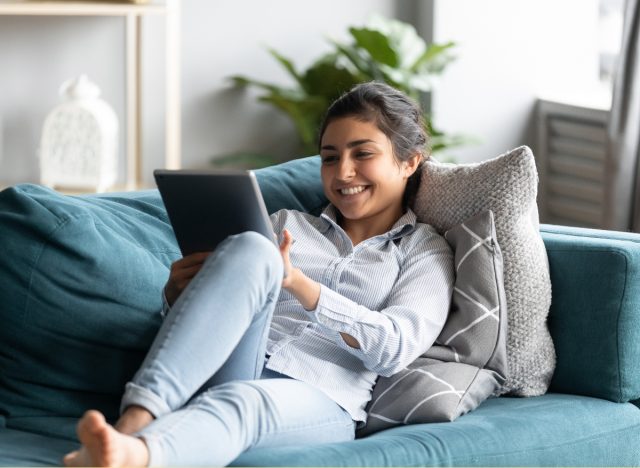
<point>71,458</point>
<point>93,419</point>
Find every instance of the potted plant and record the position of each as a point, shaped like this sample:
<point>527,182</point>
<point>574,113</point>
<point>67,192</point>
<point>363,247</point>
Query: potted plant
<point>385,50</point>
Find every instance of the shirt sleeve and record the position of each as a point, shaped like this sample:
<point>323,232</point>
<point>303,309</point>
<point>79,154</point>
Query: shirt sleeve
<point>414,315</point>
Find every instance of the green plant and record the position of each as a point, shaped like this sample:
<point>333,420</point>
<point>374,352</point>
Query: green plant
<point>384,50</point>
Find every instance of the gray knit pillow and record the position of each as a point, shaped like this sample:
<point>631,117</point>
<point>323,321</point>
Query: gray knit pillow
<point>467,364</point>
<point>507,185</point>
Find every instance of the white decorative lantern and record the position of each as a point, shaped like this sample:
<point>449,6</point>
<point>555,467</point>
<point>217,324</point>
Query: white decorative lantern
<point>79,147</point>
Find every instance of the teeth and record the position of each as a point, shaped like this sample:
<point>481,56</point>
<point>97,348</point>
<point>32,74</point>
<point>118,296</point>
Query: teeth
<point>352,190</point>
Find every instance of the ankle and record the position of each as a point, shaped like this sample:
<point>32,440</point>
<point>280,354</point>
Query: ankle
<point>133,419</point>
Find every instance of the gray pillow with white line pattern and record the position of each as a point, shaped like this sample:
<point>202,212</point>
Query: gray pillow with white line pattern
<point>468,362</point>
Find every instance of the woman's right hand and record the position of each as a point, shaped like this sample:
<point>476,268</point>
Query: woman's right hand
<point>181,274</point>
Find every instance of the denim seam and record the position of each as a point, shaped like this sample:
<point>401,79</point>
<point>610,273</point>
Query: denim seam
<point>157,437</point>
<point>187,298</point>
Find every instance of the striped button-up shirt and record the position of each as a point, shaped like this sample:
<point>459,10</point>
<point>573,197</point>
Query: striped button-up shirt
<point>391,293</point>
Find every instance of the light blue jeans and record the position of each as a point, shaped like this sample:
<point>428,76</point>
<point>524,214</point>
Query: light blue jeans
<point>203,377</point>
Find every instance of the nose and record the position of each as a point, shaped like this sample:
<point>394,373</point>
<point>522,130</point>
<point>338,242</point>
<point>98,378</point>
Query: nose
<point>346,169</point>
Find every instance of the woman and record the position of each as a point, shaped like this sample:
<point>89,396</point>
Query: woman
<point>246,358</point>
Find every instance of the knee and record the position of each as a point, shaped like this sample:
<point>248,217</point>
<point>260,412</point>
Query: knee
<point>261,252</point>
<point>238,398</point>
<point>252,240</point>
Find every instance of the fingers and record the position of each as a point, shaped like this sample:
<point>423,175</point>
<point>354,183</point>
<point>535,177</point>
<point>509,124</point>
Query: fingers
<point>181,274</point>
<point>188,266</point>
<point>285,245</point>
<point>181,278</point>
<point>190,260</point>
<point>287,240</point>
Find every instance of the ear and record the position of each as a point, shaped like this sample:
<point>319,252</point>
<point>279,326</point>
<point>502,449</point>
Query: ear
<point>411,164</point>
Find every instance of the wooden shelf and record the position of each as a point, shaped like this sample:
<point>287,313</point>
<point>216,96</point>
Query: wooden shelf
<point>132,14</point>
<point>61,8</point>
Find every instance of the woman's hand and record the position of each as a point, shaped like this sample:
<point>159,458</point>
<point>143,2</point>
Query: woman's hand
<point>285,246</point>
<point>295,281</point>
<point>182,272</point>
<point>301,286</point>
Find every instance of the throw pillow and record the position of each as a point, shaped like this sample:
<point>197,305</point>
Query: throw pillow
<point>507,185</point>
<point>468,362</point>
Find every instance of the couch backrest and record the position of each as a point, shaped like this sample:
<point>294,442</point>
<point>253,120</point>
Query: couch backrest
<point>79,281</point>
<point>595,311</point>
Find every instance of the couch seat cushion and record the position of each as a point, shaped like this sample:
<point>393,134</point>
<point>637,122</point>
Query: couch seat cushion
<point>550,430</point>
<point>20,448</point>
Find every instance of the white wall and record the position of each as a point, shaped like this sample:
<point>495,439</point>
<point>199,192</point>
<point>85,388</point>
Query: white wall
<point>510,52</point>
<point>219,39</point>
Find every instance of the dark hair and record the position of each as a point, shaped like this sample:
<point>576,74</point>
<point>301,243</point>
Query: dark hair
<point>394,113</point>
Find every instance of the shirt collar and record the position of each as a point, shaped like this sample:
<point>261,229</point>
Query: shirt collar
<point>403,226</point>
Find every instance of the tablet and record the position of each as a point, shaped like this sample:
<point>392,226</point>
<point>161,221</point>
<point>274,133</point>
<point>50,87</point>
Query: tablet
<point>205,207</point>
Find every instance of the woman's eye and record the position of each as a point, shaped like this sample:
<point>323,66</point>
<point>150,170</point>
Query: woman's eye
<point>363,154</point>
<point>329,159</point>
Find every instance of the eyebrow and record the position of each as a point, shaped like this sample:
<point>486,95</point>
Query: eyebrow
<point>351,144</point>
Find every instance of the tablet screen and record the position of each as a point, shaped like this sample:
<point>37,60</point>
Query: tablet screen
<point>205,207</point>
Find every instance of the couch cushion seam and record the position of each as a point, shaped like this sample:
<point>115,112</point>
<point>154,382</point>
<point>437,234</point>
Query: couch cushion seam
<point>61,222</point>
<point>618,333</point>
<point>590,236</point>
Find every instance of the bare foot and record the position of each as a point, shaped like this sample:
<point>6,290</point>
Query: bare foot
<point>102,445</point>
<point>133,419</point>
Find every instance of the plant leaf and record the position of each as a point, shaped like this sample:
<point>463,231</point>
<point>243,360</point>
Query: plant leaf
<point>243,81</point>
<point>240,81</point>
<point>326,78</point>
<point>377,44</point>
<point>447,141</point>
<point>422,82</point>
<point>354,56</point>
<point>435,58</point>
<point>306,114</point>
<point>286,64</point>
<point>407,45</point>
<point>385,50</point>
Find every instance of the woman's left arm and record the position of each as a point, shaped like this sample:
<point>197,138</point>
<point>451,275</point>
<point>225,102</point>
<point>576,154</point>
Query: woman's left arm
<point>389,339</point>
<point>303,288</point>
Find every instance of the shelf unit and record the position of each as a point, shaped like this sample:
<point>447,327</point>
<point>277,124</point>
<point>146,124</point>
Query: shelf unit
<point>132,14</point>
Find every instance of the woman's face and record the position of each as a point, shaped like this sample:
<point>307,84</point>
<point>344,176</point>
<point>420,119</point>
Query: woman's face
<point>360,174</point>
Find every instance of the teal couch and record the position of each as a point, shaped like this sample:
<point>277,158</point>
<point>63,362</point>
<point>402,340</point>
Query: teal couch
<point>80,282</point>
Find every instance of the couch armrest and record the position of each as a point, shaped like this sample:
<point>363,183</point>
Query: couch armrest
<point>595,311</point>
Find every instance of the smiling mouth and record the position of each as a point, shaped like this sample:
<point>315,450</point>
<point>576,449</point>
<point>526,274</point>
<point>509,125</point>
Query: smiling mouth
<point>352,190</point>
